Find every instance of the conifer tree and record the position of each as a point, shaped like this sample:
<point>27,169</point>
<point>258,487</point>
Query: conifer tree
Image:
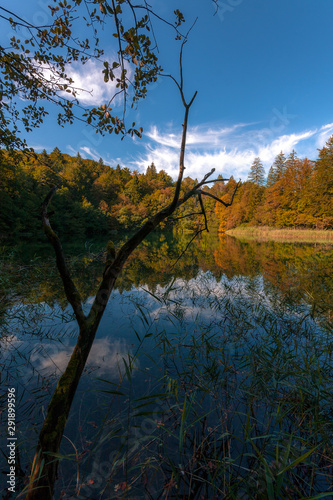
<point>257,173</point>
<point>277,170</point>
<point>151,172</point>
<point>271,178</point>
<point>280,165</point>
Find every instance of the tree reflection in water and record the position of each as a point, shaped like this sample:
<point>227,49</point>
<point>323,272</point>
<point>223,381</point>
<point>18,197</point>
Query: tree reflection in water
<point>207,377</point>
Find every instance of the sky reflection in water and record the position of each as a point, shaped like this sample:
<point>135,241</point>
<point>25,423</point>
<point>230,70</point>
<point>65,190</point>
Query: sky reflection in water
<point>228,286</point>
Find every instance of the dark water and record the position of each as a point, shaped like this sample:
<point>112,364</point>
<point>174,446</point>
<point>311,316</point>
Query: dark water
<point>169,328</point>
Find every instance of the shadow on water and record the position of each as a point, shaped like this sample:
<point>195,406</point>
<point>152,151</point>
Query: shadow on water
<point>210,378</point>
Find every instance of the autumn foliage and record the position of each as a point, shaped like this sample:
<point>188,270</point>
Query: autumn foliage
<point>98,198</point>
<point>298,193</point>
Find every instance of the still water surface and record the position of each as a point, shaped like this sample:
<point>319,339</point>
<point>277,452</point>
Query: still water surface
<point>226,317</point>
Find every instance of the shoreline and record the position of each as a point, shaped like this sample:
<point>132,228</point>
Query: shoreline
<point>265,233</point>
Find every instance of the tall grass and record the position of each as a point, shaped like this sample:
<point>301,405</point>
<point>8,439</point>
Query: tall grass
<point>265,233</point>
<point>226,393</point>
<point>236,404</point>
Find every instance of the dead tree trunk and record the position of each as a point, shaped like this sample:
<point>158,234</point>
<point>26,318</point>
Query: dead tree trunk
<point>44,469</point>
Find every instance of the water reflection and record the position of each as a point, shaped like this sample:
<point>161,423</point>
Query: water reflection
<point>302,271</point>
<point>105,357</point>
<point>230,310</point>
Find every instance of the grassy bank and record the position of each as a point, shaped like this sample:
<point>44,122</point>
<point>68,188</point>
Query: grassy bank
<point>264,233</point>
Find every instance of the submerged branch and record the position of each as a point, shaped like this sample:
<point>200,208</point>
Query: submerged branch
<point>187,246</point>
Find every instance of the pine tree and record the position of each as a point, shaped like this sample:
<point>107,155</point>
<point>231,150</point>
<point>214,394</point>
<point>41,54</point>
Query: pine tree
<point>151,172</point>
<point>291,160</point>
<point>277,170</point>
<point>257,173</point>
<point>271,178</point>
<point>280,165</point>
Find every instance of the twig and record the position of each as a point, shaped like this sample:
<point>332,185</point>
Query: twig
<point>207,193</point>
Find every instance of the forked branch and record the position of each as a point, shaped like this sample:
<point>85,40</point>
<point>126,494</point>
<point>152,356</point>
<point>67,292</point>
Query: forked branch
<point>226,204</point>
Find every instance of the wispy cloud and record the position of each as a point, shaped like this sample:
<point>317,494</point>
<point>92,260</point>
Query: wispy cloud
<point>198,136</point>
<point>91,153</point>
<point>324,134</point>
<point>87,152</point>
<point>285,143</point>
<point>230,150</point>
<point>40,147</point>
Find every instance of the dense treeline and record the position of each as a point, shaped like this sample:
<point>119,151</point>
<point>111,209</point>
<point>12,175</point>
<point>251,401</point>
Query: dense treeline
<point>298,192</point>
<point>93,198</point>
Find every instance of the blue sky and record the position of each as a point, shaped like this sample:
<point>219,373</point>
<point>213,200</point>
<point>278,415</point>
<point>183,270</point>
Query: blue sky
<point>264,76</point>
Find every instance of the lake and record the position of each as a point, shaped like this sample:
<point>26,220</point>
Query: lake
<point>210,377</point>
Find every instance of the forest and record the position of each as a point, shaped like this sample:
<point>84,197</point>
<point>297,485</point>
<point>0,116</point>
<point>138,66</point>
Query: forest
<point>94,199</point>
<point>146,354</point>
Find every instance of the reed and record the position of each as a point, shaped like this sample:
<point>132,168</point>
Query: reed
<point>226,394</point>
<point>265,233</point>
<point>237,406</point>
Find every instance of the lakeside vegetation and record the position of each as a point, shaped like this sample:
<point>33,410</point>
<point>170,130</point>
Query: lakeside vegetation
<point>266,233</point>
<point>95,199</point>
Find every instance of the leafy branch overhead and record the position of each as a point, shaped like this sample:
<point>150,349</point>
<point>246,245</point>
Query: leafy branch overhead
<point>37,65</point>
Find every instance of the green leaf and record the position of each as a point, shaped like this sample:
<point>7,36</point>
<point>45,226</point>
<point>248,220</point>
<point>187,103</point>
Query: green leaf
<point>298,460</point>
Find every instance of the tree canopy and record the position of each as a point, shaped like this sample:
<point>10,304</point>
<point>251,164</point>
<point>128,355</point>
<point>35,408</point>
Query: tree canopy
<point>37,65</point>
<point>298,193</point>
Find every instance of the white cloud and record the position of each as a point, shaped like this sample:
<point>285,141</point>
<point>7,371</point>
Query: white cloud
<point>88,79</point>
<point>106,356</point>
<point>86,152</point>
<point>198,136</point>
<point>285,143</point>
<point>230,150</point>
<point>39,147</point>
<point>325,133</point>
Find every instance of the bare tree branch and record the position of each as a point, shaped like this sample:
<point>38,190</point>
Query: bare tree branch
<point>72,294</point>
<point>226,204</point>
<point>216,180</point>
<point>203,212</point>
